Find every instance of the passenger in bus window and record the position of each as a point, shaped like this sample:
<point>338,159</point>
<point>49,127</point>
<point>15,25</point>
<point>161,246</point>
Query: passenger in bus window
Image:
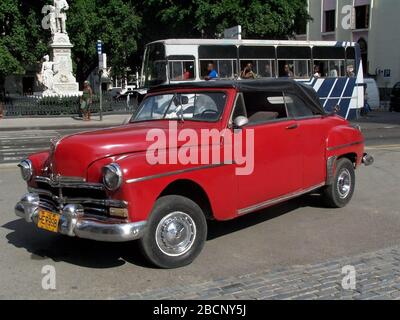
<point>264,69</point>
<point>248,72</point>
<point>334,70</point>
<point>287,72</point>
<point>186,74</point>
<point>350,71</point>
<point>212,73</point>
<point>317,72</point>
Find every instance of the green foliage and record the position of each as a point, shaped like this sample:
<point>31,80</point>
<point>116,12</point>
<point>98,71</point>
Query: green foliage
<point>21,43</point>
<point>115,22</point>
<point>268,19</point>
<point>125,26</point>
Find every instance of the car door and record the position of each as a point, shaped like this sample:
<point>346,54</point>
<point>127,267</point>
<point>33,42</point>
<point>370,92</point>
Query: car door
<point>312,131</point>
<point>276,158</point>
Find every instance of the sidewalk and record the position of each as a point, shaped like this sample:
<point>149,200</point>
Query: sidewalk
<point>15,124</point>
<point>379,120</point>
<point>374,120</point>
<point>377,278</point>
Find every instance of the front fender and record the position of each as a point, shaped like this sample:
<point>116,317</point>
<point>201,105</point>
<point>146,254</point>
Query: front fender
<point>343,140</point>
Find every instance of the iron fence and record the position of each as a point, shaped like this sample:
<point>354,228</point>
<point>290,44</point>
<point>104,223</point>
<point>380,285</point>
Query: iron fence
<point>34,106</point>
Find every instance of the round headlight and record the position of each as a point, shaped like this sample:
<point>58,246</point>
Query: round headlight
<point>112,176</point>
<point>26,169</point>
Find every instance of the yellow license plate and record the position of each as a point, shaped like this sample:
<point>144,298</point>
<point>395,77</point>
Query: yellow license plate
<point>48,221</point>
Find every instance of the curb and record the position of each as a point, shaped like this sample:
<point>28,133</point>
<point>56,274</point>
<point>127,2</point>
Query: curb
<point>62,127</point>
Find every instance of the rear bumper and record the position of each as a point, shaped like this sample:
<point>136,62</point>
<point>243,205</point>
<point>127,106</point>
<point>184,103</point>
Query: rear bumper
<point>74,223</point>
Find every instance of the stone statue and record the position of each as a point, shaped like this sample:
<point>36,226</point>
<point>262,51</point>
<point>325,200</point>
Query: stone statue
<point>52,20</point>
<point>47,74</point>
<point>56,74</point>
<point>61,6</point>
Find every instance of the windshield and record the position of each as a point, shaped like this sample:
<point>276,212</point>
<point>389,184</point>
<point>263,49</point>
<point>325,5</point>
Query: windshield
<point>154,66</point>
<point>204,106</point>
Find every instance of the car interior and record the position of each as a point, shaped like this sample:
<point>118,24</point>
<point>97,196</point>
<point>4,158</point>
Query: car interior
<point>260,107</point>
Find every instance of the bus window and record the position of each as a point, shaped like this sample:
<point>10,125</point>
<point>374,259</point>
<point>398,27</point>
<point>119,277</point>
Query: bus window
<point>155,65</point>
<point>294,62</point>
<point>261,68</point>
<point>330,68</point>
<point>266,68</point>
<point>222,56</point>
<point>181,68</point>
<point>351,62</point>
<point>226,69</point>
<point>330,61</point>
<point>261,57</point>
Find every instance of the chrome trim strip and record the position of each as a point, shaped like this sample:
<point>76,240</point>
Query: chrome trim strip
<point>68,182</point>
<point>104,202</point>
<point>172,173</point>
<point>271,202</point>
<point>330,170</point>
<point>344,145</point>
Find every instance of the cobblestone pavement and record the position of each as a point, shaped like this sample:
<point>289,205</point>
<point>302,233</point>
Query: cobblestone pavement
<point>377,278</point>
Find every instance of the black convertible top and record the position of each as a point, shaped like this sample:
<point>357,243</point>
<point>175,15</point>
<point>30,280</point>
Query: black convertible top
<point>305,92</point>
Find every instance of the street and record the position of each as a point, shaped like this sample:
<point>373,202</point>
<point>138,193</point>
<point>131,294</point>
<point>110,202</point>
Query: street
<point>299,240</point>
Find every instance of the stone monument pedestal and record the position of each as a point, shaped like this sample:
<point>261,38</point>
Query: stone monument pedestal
<point>64,81</point>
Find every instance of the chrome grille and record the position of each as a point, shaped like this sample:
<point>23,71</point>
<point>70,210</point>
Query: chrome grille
<point>54,195</point>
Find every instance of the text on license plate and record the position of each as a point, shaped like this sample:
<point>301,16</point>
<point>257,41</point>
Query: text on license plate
<point>48,220</point>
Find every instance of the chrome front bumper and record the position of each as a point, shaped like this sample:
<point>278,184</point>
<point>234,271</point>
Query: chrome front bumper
<point>367,159</point>
<point>74,223</point>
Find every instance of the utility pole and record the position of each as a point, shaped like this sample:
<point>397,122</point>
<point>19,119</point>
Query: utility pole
<point>102,66</point>
<point>100,94</point>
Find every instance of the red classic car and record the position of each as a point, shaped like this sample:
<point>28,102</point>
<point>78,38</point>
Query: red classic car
<point>195,151</point>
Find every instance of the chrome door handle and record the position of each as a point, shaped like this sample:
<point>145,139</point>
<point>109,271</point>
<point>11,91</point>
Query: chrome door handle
<point>292,126</point>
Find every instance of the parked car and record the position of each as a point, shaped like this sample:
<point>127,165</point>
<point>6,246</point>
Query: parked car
<point>115,91</point>
<point>102,185</point>
<point>372,91</point>
<point>128,88</point>
<point>395,98</point>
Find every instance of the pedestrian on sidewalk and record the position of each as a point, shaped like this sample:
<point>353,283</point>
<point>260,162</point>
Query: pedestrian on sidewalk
<point>1,107</point>
<point>86,101</point>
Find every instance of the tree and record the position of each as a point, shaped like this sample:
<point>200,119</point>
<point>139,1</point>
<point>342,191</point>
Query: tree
<point>125,26</point>
<point>114,22</point>
<point>268,19</point>
<point>21,42</point>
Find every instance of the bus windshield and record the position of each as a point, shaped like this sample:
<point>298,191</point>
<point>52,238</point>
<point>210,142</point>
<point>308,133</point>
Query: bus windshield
<point>154,65</point>
<point>196,106</point>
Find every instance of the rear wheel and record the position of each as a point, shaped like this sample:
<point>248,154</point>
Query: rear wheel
<point>177,231</point>
<point>340,192</point>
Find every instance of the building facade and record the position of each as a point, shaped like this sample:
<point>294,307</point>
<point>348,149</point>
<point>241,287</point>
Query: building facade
<point>373,24</point>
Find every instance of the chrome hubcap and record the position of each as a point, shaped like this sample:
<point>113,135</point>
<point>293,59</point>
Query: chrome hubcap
<point>175,233</point>
<point>344,183</point>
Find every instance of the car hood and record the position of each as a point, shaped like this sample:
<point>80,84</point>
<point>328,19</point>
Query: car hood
<point>72,155</point>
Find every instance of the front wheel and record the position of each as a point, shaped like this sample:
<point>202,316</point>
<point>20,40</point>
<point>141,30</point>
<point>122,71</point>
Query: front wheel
<point>340,192</point>
<point>177,231</point>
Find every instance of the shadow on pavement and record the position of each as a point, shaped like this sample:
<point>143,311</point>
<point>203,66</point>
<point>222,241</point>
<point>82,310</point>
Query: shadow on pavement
<point>218,229</point>
<point>92,254</point>
<point>86,253</point>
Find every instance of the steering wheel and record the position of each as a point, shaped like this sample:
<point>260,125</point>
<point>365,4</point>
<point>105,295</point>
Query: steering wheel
<point>209,111</point>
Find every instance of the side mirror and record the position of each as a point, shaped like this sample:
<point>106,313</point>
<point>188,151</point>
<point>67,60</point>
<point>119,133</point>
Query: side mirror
<point>240,122</point>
